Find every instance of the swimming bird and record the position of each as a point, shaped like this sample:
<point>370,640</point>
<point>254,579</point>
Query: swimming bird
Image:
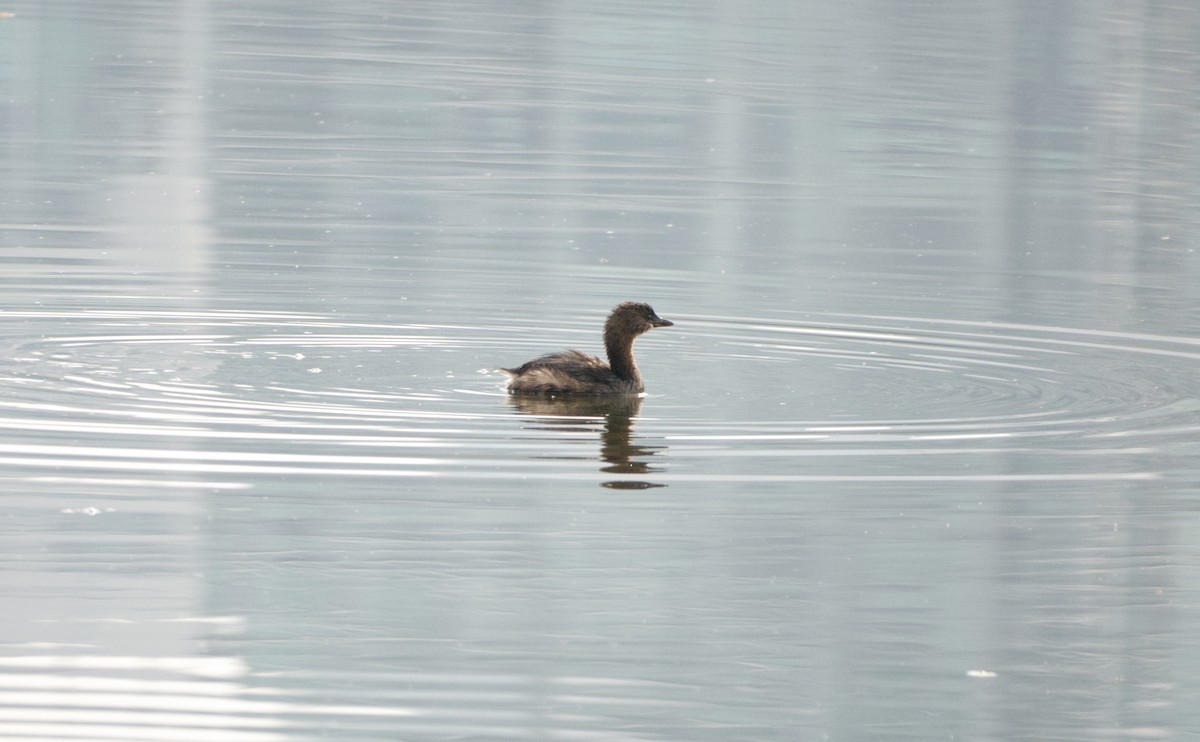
<point>574,372</point>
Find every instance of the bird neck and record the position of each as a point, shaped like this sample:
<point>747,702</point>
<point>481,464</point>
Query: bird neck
<point>620,355</point>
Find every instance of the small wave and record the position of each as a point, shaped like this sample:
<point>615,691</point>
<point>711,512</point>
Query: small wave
<point>236,395</point>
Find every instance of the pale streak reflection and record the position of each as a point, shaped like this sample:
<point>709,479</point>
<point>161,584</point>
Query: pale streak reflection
<point>54,697</point>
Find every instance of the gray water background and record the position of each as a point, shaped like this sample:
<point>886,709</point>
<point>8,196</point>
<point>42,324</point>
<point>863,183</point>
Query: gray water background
<point>918,460</point>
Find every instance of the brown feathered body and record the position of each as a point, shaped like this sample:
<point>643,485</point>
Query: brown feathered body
<point>574,372</point>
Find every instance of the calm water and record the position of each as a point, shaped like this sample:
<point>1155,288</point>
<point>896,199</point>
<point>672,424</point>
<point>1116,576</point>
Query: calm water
<point>919,460</point>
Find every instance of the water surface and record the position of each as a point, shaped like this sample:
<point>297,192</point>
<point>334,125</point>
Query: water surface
<point>917,461</point>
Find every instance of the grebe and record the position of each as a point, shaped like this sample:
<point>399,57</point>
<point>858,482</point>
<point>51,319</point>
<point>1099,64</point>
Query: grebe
<point>573,372</point>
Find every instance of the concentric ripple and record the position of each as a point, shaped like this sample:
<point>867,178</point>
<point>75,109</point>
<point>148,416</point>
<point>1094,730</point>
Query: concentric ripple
<point>221,397</point>
<point>949,397</point>
<point>283,456</point>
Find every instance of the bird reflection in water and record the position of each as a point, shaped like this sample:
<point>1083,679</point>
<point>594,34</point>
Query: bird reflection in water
<point>619,450</point>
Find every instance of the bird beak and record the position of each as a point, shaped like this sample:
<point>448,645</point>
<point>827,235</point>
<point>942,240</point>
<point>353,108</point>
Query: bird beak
<point>660,322</point>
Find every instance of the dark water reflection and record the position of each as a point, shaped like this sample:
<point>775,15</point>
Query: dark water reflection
<point>620,450</point>
<point>918,461</point>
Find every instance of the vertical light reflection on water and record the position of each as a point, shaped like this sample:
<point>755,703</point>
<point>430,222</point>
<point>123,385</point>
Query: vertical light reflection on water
<point>1097,591</point>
